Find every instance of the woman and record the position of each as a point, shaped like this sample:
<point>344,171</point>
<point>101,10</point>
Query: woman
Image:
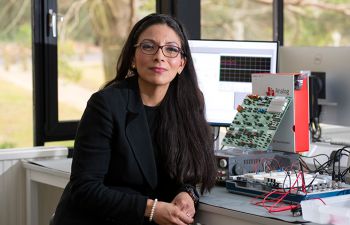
<point>143,144</point>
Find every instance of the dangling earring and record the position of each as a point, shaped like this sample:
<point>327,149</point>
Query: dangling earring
<point>131,71</point>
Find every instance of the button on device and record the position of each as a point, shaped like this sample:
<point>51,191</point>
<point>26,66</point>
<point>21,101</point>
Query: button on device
<point>223,163</point>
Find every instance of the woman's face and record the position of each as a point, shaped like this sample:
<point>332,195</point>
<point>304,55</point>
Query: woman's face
<point>158,69</point>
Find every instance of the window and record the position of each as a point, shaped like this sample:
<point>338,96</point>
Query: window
<point>317,23</point>
<point>236,20</point>
<point>68,68</point>
<point>77,44</point>
<point>90,35</point>
<point>16,118</point>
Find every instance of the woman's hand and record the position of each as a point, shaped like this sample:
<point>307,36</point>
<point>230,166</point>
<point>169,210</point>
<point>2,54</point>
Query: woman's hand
<point>184,201</point>
<point>171,213</point>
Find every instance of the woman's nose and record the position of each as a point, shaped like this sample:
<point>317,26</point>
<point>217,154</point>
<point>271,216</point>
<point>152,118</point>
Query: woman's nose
<point>159,55</point>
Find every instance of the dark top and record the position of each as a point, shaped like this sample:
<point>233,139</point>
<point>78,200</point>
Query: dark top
<point>114,169</point>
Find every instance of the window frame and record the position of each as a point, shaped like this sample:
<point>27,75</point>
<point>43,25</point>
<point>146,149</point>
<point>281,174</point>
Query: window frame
<point>47,126</point>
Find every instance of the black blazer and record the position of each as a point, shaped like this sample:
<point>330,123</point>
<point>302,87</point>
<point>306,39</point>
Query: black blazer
<point>114,169</point>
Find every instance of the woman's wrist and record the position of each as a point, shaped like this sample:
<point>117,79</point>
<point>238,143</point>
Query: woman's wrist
<point>151,208</point>
<point>192,192</point>
<point>148,209</point>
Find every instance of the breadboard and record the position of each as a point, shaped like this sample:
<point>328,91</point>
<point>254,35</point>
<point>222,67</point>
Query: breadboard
<point>256,122</point>
<point>260,184</point>
<point>280,179</point>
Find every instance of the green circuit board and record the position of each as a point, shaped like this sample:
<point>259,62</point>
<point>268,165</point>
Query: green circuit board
<point>256,122</point>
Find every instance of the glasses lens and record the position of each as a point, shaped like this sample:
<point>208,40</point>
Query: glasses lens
<point>170,51</point>
<point>148,48</point>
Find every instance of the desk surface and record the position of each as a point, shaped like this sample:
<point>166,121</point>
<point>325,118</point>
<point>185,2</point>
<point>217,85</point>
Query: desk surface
<point>336,134</point>
<point>219,201</point>
<point>221,198</point>
<point>59,165</point>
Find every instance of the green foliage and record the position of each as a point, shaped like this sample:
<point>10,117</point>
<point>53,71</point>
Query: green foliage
<point>66,48</point>
<point>16,122</point>
<point>312,26</point>
<point>336,1</point>
<point>21,35</point>
<point>67,71</point>
<point>147,5</point>
<point>66,52</point>
<point>15,20</point>
<point>78,28</point>
<point>238,20</point>
<point>7,145</point>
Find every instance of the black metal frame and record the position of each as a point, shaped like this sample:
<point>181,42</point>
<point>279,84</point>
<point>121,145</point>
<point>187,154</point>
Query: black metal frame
<point>188,12</point>
<point>45,80</point>
<point>278,27</point>
<point>47,127</point>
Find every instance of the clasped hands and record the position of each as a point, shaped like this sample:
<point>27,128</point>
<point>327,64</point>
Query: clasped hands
<point>178,212</point>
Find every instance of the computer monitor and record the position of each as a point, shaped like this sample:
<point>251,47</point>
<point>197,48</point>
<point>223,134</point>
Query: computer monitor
<point>224,69</point>
<point>334,63</point>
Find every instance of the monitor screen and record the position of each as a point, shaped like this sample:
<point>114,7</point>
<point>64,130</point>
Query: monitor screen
<point>333,62</point>
<point>224,71</point>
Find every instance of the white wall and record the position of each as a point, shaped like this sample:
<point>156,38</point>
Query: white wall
<point>13,189</point>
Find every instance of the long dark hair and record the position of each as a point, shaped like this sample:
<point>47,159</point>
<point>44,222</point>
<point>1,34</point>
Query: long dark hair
<point>183,135</point>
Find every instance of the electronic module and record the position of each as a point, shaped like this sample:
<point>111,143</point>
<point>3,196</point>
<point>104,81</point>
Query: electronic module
<point>234,161</point>
<point>256,122</point>
<point>296,186</point>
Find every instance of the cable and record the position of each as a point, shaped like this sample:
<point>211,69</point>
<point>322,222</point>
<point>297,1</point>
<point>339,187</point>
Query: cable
<point>321,168</point>
<point>276,201</point>
<point>315,129</point>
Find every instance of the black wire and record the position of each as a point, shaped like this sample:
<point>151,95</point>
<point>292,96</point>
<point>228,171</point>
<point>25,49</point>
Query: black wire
<point>304,156</point>
<point>340,174</point>
<point>315,160</point>
<point>284,181</point>
<point>322,167</point>
<point>303,163</point>
<point>302,174</point>
<point>309,185</point>
<point>333,161</point>
<point>337,157</point>
<point>348,168</point>
<point>315,128</point>
<point>317,169</point>
<point>344,172</point>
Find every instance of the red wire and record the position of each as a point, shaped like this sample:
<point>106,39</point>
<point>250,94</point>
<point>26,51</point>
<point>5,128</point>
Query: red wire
<point>273,208</point>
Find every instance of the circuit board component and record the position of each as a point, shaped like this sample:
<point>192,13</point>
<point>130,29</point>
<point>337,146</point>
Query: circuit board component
<point>256,122</point>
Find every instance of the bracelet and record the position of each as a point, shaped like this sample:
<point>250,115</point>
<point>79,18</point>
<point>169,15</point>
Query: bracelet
<point>191,190</point>
<point>153,209</point>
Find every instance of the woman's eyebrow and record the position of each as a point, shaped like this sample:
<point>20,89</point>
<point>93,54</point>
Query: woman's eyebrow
<point>154,42</point>
<point>172,42</point>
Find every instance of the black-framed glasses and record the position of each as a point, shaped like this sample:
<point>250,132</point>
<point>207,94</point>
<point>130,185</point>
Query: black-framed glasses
<point>150,48</point>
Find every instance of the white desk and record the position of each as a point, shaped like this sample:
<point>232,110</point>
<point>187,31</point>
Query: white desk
<point>223,208</point>
<point>36,174</point>
<point>213,209</point>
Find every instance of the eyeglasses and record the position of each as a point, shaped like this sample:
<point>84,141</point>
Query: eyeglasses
<point>149,48</point>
